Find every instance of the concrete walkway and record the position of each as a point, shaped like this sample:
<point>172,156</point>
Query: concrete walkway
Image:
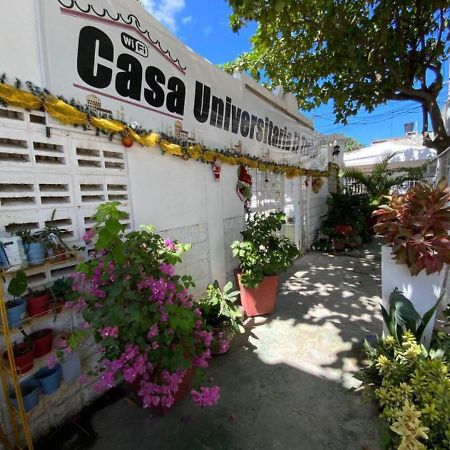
<point>284,383</point>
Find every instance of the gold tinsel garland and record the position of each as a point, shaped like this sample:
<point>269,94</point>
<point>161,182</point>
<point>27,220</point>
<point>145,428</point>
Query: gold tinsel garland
<point>70,115</point>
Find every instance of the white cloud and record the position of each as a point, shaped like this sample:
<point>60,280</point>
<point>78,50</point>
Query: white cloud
<point>207,30</point>
<point>186,20</point>
<point>165,11</point>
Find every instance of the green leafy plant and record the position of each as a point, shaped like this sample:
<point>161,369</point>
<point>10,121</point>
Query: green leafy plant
<point>219,308</point>
<point>70,342</point>
<point>262,250</point>
<point>18,284</point>
<point>412,388</point>
<point>381,179</point>
<point>352,54</point>
<point>416,225</point>
<point>402,317</point>
<point>349,209</point>
<point>141,314</point>
<point>28,237</point>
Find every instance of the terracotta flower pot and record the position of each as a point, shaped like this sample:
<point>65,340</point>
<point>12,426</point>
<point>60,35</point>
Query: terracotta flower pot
<point>260,300</point>
<point>222,338</point>
<point>39,304</point>
<point>345,230</point>
<point>42,340</point>
<point>23,357</point>
<point>339,244</point>
<point>183,390</point>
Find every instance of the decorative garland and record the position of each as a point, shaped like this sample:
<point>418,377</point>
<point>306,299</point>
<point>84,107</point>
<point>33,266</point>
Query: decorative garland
<point>73,113</point>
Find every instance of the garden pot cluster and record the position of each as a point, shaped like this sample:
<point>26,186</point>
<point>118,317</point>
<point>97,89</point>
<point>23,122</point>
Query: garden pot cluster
<point>44,244</point>
<point>45,381</point>
<point>35,303</point>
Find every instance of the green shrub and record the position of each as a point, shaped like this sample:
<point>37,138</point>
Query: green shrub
<point>412,388</point>
<point>263,251</point>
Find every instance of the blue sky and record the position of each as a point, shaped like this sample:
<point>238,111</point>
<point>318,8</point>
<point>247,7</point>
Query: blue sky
<point>203,26</point>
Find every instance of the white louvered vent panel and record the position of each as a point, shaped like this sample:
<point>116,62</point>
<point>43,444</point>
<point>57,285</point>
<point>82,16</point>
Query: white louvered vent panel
<point>67,170</point>
<point>50,152</point>
<point>14,149</point>
<point>100,157</point>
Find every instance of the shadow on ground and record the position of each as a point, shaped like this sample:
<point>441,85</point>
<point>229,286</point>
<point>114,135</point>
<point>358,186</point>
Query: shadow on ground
<point>284,382</point>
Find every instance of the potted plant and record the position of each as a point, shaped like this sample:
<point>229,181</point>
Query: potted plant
<point>30,394</point>
<point>60,291</point>
<point>52,238</point>
<point>263,254</point>
<point>415,227</point>
<point>42,341</point>
<point>221,315</point>
<point>38,302</point>
<point>23,356</point>
<point>67,346</point>
<point>34,248</point>
<point>141,314</point>
<point>16,308</point>
<point>49,378</point>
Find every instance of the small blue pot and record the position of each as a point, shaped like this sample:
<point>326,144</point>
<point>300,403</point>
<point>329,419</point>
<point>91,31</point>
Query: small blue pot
<point>30,394</point>
<point>71,366</point>
<point>49,379</point>
<point>35,253</point>
<point>16,313</point>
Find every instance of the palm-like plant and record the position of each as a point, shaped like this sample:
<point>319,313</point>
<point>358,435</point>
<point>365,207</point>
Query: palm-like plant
<point>382,179</point>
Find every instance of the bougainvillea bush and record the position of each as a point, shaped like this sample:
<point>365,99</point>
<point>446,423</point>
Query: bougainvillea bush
<point>416,225</point>
<point>142,316</point>
<point>412,388</point>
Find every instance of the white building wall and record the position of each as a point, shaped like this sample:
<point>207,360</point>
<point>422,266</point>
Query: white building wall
<point>73,171</point>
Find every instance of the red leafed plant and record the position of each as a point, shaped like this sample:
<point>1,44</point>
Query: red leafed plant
<point>417,224</point>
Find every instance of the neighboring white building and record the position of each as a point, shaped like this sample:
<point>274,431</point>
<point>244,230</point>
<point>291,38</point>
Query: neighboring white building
<point>408,151</point>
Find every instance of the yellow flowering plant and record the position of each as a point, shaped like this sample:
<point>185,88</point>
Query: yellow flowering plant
<point>412,388</point>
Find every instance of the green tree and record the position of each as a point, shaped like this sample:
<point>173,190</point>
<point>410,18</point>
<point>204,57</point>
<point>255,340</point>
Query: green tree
<point>352,144</point>
<point>382,179</point>
<point>358,53</point>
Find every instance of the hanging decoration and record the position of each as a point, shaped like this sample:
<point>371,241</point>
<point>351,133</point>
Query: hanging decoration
<point>306,181</point>
<point>244,184</point>
<point>216,168</point>
<point>72,113</point>
<point>317,183</point>
<point>127,141</point>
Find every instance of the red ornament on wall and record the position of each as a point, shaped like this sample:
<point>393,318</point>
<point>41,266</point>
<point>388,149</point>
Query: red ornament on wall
<point>216,170</point>
<point>307,182</point>
<point>127,141</point>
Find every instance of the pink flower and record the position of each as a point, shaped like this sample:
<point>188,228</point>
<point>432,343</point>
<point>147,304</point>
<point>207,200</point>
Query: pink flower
<point>206,396</point>
<point>153,331</point>
<point>88,235</point>
<point>83,379</point>
<point>169,244</point>
<point>61,343</point>
<point>168,269</point>
<point>109,332</point>
<point>51,361</point>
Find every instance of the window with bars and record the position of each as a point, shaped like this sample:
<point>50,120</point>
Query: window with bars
<point>267,191</point>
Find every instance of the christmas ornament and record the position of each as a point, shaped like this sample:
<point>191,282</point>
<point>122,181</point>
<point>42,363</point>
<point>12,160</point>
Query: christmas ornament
<point>216,169</point>
<point>127,141</point>
<point>244,184</point>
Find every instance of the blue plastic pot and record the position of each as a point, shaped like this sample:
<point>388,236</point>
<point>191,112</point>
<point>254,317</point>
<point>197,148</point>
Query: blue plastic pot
<point>49,379</point>
<point>71,366</point>
<point>30,394</point>
<point>16,313</point>
<point>35,253</point>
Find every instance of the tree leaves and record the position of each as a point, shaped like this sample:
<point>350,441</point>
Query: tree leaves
<point>360,54</point>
